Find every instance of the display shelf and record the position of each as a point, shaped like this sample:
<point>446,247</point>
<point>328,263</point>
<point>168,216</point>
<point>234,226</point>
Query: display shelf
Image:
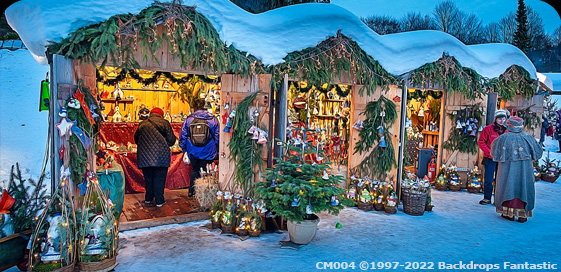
<point>121,100</point>
<point>333,100</point>
<point>436,133</point>
<point>324,116</point>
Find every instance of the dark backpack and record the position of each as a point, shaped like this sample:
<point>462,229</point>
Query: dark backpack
<point>199,132</point>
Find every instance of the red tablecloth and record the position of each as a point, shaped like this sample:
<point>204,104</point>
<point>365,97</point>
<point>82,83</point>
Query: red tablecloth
<point>178,172</point>
<point>123,133</point>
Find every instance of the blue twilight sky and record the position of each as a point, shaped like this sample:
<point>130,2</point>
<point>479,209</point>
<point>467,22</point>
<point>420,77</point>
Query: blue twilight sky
<point>487,10</point>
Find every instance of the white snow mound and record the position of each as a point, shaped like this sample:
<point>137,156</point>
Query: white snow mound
<point>271,35</point>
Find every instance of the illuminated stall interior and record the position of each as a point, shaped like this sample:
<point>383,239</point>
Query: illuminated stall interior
<point>126,98</point>
<point>422,129</point>
<point>325,112</point>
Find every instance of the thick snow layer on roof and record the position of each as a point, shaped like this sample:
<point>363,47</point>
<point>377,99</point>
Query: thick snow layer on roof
<point>555,80</point>
<point>545,80</point>
<point>271,35</point>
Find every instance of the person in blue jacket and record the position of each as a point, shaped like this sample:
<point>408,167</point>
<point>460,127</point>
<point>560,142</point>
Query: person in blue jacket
<point>199,140</point>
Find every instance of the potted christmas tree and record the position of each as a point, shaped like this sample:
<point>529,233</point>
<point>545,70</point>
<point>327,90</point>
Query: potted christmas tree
<point>297,191</point>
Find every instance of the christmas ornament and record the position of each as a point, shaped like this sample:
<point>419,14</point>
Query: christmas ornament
<point>63,112</point>
<point>338,225</point>
<point>80,96</point>
<point>64,127</point>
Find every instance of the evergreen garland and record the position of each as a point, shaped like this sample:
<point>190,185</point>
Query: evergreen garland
<point>515,80</point>
<point>460,141</point>
<point>123,74</point>
<point>78,158</point>
<point>29,195</point>
<point>380,160</point>
<point>328,60</point>
<point>190,37</point>
<point>448,73</point>
<point>243,150</point>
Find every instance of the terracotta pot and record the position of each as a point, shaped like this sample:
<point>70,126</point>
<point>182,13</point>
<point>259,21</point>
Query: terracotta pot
<point>302,233</point>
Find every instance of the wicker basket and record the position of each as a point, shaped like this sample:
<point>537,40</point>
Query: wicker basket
<point>242,232</point>
<point>364,206</point>
<point>474,190</point>
<point>255,233</point>
<point>390,210</point>
<point>538,177</point>
<point>414,202</point>
<point>549,178</point>
<point>227,229</point>
<point>68,268</point>
<point>441,187</point>
<point>379,206</point>
<point>103,266</point>
<point>215,225</point>
<point>455,188</point>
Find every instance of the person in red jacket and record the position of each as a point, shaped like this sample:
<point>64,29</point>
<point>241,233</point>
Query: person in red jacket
<point>488,135</point>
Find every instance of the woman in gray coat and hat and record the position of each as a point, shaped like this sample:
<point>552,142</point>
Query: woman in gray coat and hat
<point>514,151</point>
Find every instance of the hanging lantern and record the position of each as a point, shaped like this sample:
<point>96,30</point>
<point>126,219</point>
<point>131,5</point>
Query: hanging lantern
<point>53,239</point>
<point>97,229</point>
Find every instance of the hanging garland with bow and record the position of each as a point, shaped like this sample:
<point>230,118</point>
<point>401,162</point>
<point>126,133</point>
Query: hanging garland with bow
<point>381,159</point>
<point>327,61</point>
<point>448,72</point>
<point>324,88</point>
<point>123,74</point>
<point>515,80</point>
<point>190,38</point>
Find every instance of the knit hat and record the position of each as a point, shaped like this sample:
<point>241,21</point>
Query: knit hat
<point>157,111</point>
<point>501,113</point>
<point>515,124</point>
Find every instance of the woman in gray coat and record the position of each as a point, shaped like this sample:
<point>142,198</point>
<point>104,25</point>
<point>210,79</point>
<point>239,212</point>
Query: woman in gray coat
<point>514,151</point>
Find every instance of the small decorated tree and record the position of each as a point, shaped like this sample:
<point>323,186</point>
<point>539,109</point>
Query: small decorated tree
<point>297,190</point>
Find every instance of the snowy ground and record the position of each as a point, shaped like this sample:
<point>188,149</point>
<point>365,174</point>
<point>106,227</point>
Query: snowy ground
<point>458,229</point>
<point>23,129</point>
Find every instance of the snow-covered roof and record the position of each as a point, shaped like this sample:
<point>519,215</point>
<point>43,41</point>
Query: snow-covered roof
<point>555,79</point>
<point>271,35</point>
<point>545,80</point>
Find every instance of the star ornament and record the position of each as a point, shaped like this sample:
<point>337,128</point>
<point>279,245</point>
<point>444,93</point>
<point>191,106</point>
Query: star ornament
<point>64,127</point>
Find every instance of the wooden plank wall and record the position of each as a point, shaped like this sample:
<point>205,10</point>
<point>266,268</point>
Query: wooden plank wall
<point>454,102</point>
<point>357,107</point>
<point>535,104</point>
<point>235,89</point>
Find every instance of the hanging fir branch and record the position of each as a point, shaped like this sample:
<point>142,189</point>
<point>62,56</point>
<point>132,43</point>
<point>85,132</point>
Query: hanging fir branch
<point>381,159</point>
<point>448,72</point>
<point>515,80</point>
<point>243,150</point>
<point>330,59</point>
<point>190,37</point>
<point>460,140</point>
<point>78,158</point>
